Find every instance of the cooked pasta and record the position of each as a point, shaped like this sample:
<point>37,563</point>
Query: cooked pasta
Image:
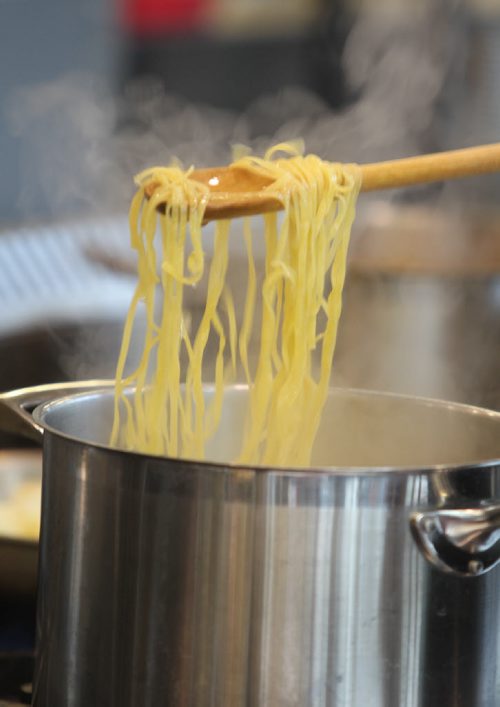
<point>300,298</point>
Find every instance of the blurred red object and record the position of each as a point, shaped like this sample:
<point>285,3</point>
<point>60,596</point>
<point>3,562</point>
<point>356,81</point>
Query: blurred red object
<point>153,17</point>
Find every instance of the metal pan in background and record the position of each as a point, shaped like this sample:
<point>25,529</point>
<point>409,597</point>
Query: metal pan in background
<point>421,304</point>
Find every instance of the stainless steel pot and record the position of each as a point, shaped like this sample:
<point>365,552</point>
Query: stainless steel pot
<point>370,579</point>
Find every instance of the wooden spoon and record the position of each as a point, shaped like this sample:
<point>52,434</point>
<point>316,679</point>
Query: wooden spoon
<point>237,191</point>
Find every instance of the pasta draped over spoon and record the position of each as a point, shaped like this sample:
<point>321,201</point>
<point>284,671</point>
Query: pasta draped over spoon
<point>300,302</point>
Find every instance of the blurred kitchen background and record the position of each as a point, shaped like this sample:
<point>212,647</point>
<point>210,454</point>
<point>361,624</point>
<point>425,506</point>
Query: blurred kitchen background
<point>91,92</point>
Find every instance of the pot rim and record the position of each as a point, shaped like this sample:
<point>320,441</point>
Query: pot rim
<point>341,471</point>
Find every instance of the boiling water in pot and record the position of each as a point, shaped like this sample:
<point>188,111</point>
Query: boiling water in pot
<point>358,429</point>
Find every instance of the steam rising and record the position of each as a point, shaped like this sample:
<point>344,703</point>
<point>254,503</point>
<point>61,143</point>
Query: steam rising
<point>82,145</point>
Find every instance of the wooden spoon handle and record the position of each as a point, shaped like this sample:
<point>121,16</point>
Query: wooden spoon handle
<point>431,168</point>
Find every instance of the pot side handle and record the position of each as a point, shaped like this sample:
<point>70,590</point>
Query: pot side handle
<point>16,407</point>
<point>464,542</point>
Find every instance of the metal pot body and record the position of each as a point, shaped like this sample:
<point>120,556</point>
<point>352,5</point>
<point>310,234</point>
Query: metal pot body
<point>167,582</point>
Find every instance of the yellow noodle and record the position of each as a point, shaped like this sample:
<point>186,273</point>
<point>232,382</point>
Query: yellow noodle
<point>246,326</point>
<point>304,272</point>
